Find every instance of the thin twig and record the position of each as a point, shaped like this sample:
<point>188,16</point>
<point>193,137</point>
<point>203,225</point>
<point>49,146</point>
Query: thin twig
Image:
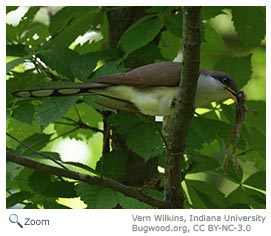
<point>77,113</point>
<point>79,124</point>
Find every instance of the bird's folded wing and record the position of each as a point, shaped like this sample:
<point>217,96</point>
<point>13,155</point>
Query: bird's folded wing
<point>151,75</point>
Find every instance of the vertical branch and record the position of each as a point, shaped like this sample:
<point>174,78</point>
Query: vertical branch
<point>179,121</point>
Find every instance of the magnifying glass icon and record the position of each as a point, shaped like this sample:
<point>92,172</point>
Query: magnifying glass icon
<point>13,218</point>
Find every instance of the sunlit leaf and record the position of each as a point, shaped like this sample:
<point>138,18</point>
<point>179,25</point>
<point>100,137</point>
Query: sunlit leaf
<point>140,33</point>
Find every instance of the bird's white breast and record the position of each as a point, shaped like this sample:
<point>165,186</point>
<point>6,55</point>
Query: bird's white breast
<point>157,101</point>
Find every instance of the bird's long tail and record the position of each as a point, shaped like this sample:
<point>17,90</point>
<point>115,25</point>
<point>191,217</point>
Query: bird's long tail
<point>60,91</point>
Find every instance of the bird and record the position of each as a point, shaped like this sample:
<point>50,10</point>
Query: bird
<point>150,89</point>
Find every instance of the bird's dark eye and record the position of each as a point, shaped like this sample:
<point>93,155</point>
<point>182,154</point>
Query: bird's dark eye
<point>226,81</point>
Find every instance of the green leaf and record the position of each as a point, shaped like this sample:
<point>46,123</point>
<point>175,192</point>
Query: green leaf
<point>257,198</point>
<point>70,22</point>
<point>97,197</point>
<point>144,139</point>
<point>243,197</point>
<point>194,140</point>
<point>10,65</point>
<point>10,8</point>
<point>22,179</point>
<point>16,198</point>
<point>49,155</point>
<point>109,68</point>
<point>208,12</point>
<point>26,20</point>
<point>238,199</point>
<point>174,22</point>
<point>52,109</point>
<point>111,164</point>
<point>239,68</point>
<point>59,60</point>
<point>155,193</point>
<point>204,195</point>
<point>12,170</point>
<point>201,163</point>
<point>256,142</point>
<point>31,206</point>
<point>131,203</point>
<point>39,182</point>
<point>35,141</point>
<point>51,84</point>
<point>87,115</point>
<point>123,122</point>
<point>256,157</point>
<point>17,50</point>
<point>257,180</point>
<point>231,174</point>
<point>89,47</point>
<point>203,130</point>
<point>24,113</point>
<point>140,33</point>
<point>15,34</point>
<point>141,137</point>
<point>249,24</point>
<point>83,66</point>
<point>169,45</point>
<point>36,36</point>
<point>11,34</point>
<point>212,47</point>
<point>60,188</point>
<point>259,120</point>
<point>82,166</point>
<point>145,55</point>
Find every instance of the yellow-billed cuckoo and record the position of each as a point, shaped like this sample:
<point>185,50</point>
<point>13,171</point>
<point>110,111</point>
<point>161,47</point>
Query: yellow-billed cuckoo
<point>149,89</point>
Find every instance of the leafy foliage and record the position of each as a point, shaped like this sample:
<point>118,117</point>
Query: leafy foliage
<point>142,32</point>
<point>48,54</point>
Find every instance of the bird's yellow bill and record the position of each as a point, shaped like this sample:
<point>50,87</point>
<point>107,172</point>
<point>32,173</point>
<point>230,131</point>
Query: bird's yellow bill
<point>232,94</point>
